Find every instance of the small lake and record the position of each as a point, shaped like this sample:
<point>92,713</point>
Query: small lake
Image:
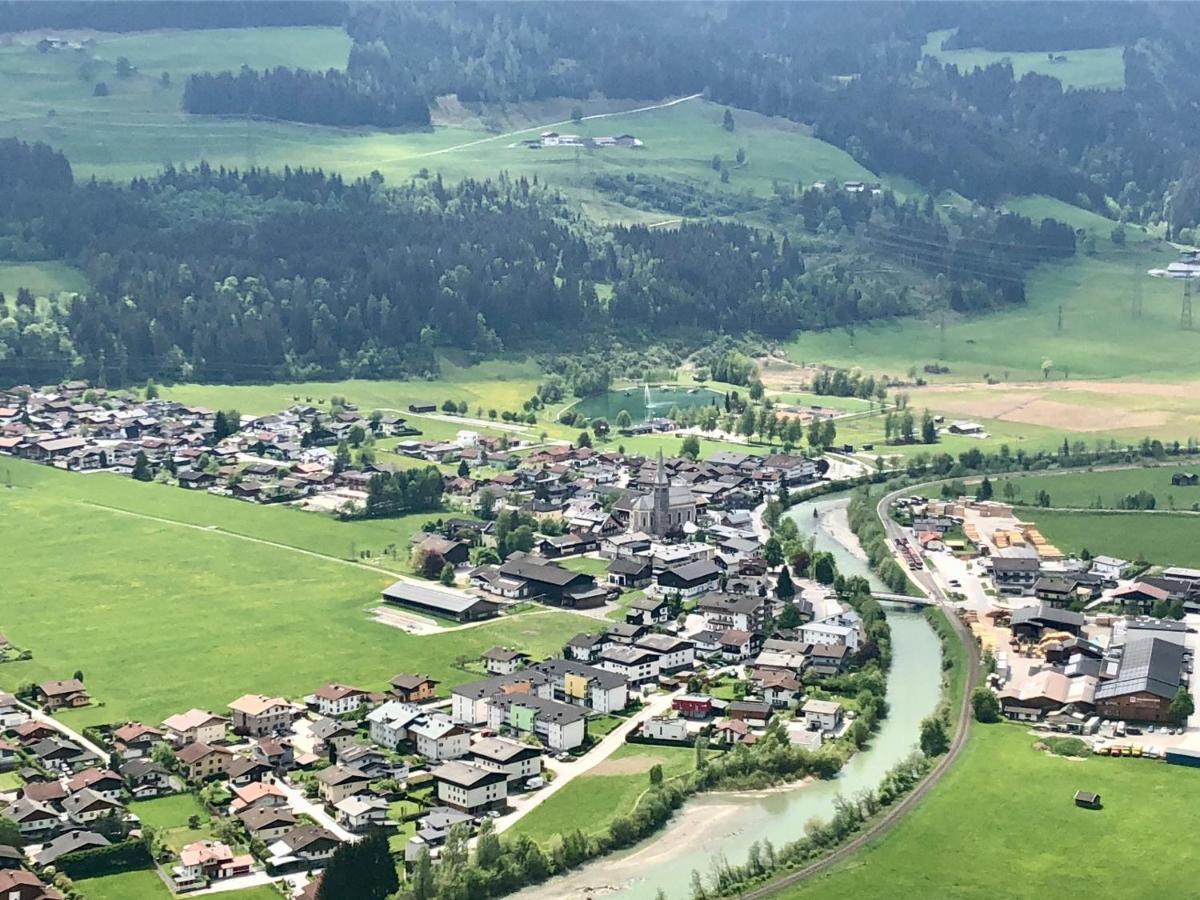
<point>645,403</point>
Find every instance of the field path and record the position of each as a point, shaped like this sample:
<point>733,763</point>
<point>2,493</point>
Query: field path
<point>509,134</point>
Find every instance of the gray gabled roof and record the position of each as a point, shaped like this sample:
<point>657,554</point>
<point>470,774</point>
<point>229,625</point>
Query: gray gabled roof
<point>1148,665</point>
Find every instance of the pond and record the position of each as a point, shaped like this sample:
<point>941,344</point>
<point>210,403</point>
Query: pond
<point>646,402</point>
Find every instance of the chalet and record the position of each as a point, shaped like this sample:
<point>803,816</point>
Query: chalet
<point>637,665</point>
<point>146,779</point>
<point>629,573</point>
<point>204,761</point>
<point>455,553</point>
<point>439,601</point>
<point>105,782</point>
<point>332,733</point>
<point>339,782</point>
<point>33,819</point>
<point>647,610</point>
<point>135,740</point>
<point>195,480</point>
<point>626,633</point>
<point>674,654</point>
<point>257,795</point>
<point>304,847</point>
<point>553,584</point>
<point>339,699</point>
<point>822,715</point>
<point>70,842</point>
<point>17,884</point>
<point>413,688</point>
<point>361,813</point>
<point>256,715</point>
<point>69,694</point>
<point>268,823</point>
<point>1139,597</point>
<point>585,648</point>
<point>195,726</point>
<point>518,762</point>
<point>736,645</point>
<point>87,806</point>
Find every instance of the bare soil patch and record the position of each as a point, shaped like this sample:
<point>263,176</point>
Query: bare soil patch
<point>626,765</point>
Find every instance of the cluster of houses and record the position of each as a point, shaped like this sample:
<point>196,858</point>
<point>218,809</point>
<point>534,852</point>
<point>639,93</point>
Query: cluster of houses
<point>555,139</point>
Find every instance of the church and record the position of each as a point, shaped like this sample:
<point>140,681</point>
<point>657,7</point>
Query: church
<point>666,509</point>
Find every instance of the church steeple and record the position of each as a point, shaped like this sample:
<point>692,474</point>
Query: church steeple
<point>660,521</point>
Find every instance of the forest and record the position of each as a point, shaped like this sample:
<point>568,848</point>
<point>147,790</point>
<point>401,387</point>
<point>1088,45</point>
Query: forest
<point>299,95</point>
<point>220,275</point>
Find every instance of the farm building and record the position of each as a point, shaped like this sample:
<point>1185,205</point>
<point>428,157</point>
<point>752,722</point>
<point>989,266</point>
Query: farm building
<point>448,604</point>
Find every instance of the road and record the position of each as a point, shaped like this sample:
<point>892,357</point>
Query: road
<point>38,716</point>
<point>565,773</point>
<point>301,804</point>
<point>547,125</point>
<point>962,728</point>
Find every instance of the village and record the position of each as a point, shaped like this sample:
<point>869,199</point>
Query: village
<point>691,633</point>
<point>1100,648</point>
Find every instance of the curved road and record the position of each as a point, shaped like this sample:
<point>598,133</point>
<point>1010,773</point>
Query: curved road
<point>961,730</point>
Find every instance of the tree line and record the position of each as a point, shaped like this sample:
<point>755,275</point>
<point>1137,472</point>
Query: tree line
<point>300,95</point>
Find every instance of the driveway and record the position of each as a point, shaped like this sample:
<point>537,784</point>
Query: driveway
<point>301,804</point>
<point>565,773</point>
<point>38,716</point>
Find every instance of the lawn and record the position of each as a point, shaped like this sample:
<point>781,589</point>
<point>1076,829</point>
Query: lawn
<point>1003,824</point>
<point>10,781</point>
<point>1160,538</point>
<point>42,278</point>
<point>146,885</point>
<point>162,614</point>
<point>586,564</point>
<point>593,800</point>
<point>1100,68</point>
<point>169,816</point>
<point>1103,490</point>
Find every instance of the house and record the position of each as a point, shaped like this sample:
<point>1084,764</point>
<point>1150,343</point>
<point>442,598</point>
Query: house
<point>504,660</point>
<point>52,792</point>
<point>822,715</point>
<point>59,753</point>
<point>304,847</point>
<point>694,706</point>
<point>388,723</point>
<point>18,884</point>
<point>440,601</point>
<point>146,779</point>
<point>637,665</point>
<point>830,633</point>
<point>202,761</point>
<point>361,813</point>
<point>752,711</point>
<point>339,699</point>
<point>597,689</point>
<point>647,610</point>
<point>518,762</point>
<point>630,573</point>
<point>689,580</point>
<point>196,480</point>
<point>559,726</point>
<point>1139,597</point>
<point>257,795</point>
<point>267,823</point>
<point>737,611</point>
<point>243,770</point>
<point>1110,568</point>
<point>553,584</point>
<point>195,726</point>
<point>1055,590</point>
<point>135,740</point>
<point>585,648</point>
<point>439,737</point>
<point>10,857</point>
<point>1149,675</point>
<point>780,689</point>
<point>256,715</point>
<point>666,728</point>
<point>413,688</point>
<point>68,842</point>
<point>674,654</point>
<point>69,694</point>
<point>87,806</point>
<point>104,782</point>
<point>12,713</point>
<point>339,782</point>
<point>1015,574</point>
<point>280,755</point>
<point>471,788</point>
<point>1029,622</point>
<point>33,819</point>
<point>625,633</point>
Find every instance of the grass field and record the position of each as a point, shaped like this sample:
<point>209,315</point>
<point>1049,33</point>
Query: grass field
<point>1099,338</point>
<point>1160,538</point>
<point>1101,68</point>
<point>146,885</point>
<point>593,800</point>
<point>42,278</point>
<point>1078,490</point>
<point>165,600</point>
<point>169,816</point>
<point>1002,824</point>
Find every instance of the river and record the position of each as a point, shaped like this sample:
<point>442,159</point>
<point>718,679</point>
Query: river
<point>711,826</point>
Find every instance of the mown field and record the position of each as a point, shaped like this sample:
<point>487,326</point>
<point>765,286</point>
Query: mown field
<point>167,599</point>
<point>1002,824</point>
<point>1164,539</point>
<point>44,279</point>
<point>1103,490</point>
<point>146,885</point>
<point>592,801</point>
<point>1101,68</point>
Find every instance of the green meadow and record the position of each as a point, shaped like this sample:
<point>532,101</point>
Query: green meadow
<point>167,599</point>
<point>1100,68</point>
<point>146,885</point>
<point>1002,822</point>
<point>1085,490</point>
<point>1164,539</point>
<point>44,279</point>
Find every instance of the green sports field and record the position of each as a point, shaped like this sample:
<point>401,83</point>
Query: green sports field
<point>167,599</point>
<point>1002,824</point>
<point>1101,68</point>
